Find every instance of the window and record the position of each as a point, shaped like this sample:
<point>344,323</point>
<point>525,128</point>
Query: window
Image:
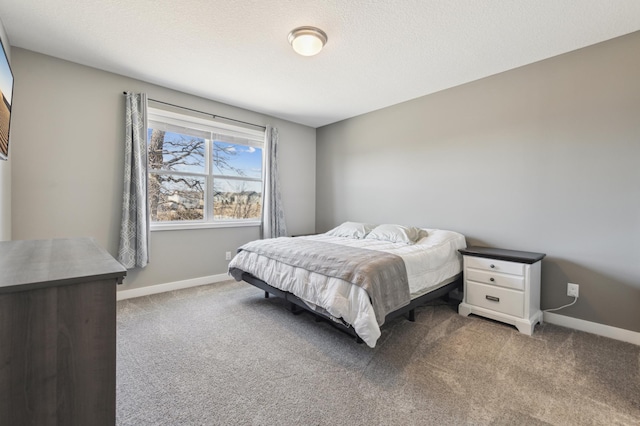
<point>202,173</point>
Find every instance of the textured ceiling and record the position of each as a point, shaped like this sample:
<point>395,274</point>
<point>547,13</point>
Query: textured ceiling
<point>379,52</point>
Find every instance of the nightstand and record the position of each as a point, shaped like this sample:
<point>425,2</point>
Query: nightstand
<point>503,285</point>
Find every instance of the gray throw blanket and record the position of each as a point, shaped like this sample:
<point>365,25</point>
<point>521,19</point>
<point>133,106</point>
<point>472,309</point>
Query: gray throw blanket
<point>383,275</point>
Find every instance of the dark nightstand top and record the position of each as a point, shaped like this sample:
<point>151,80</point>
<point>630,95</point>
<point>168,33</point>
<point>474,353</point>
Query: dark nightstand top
<point>502,254</point>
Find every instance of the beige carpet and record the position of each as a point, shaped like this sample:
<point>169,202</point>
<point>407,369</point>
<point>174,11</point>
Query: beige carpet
<point>223,355</point>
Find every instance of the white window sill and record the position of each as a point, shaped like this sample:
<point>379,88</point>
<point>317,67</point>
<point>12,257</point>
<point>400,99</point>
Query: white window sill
<point>158,226</point>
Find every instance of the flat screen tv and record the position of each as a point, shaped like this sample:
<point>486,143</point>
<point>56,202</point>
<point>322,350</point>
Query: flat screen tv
<point>6,93</point>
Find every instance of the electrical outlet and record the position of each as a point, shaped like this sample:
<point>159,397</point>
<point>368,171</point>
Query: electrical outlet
<point>573,290</point>
<point>227,255</point>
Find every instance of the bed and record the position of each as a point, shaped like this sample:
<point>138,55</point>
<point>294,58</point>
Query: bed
<point>357,275</point>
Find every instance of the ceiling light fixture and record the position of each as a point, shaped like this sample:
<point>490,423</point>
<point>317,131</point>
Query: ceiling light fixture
<point>307,41</point>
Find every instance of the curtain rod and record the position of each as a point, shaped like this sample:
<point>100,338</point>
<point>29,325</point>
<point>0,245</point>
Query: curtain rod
<point>205,113</point>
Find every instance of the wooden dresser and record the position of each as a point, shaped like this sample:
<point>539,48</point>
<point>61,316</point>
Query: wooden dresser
<point>57,332</point>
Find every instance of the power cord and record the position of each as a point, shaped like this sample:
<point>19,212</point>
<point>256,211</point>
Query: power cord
<point>575,299</point>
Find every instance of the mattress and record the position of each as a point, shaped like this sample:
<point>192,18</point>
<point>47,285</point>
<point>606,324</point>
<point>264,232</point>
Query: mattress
<point>431,263</point>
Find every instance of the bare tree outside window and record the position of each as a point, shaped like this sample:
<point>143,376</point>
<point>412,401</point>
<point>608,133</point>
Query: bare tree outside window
<point>176,196</point>
<point>178,178</point>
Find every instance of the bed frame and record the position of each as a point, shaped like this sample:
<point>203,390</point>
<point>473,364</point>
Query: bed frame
<point>298,306</point>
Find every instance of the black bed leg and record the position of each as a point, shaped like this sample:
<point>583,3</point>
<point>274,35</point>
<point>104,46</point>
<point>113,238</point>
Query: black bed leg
<point>295,310</point>
<point>266,294</point>
<point>412,315</point>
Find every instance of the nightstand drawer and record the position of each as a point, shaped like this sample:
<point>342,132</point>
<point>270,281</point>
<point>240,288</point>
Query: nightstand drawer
<point>498,299</point>
<point>492,278</point>
<point>494,265</point>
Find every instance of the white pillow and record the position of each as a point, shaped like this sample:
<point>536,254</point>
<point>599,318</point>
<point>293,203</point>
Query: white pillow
<point>396,234</point>
<point>351,230</point>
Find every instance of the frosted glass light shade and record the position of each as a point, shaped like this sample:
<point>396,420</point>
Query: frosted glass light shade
<point>307,41</point>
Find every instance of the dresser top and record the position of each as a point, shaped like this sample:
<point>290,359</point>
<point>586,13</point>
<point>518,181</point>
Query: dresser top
<point>503,254</point>
<point>32,264</point>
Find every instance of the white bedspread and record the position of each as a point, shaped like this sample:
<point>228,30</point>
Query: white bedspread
<point>429,263</point>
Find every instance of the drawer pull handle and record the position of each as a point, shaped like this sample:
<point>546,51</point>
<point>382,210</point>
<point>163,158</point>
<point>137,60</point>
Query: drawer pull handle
<point>492,266</point>
<point>493,298</point>
<point>492,279</point>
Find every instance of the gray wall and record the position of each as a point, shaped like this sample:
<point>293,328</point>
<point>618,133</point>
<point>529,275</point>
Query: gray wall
<point>67,153</point>
<point>542,158</point>
<point>5,169</point>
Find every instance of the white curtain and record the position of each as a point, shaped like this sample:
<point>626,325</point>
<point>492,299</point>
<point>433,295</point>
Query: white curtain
<point>134,232</point>
<point>273,224</point>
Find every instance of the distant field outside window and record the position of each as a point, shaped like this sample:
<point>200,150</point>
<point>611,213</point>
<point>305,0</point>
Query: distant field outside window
<point>203,176</point>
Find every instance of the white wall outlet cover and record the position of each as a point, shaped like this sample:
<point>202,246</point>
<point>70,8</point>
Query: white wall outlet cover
<point>573,290</point>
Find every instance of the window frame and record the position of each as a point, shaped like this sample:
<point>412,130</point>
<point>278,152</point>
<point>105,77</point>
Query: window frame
<point>169,119</point>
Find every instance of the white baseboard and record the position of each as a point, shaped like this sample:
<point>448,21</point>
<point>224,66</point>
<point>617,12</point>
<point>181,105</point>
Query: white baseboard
<point>593,327</point>
<point>176,285</point>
